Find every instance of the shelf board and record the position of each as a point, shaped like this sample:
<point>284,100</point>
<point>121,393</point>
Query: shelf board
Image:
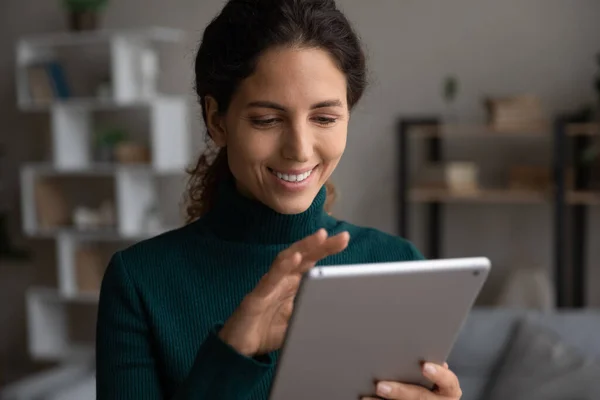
<point>475,130</point>
<point>95,104</point>
<point>500,196</point>
<point>95,169</point>
<point>591,198</point>
<point>158,34</point>
<point>583,129</point>
<point>489,196</point>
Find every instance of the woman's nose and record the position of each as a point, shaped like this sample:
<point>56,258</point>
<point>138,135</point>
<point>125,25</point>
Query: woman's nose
<point>297,143</point>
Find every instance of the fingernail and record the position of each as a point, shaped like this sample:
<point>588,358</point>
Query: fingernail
<point>383,388</point>
<point>430,369</point>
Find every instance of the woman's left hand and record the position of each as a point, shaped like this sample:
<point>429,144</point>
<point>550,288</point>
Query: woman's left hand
<point>446,383</point>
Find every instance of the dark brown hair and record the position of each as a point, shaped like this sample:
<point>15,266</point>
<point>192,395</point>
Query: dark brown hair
<point>230,48</point>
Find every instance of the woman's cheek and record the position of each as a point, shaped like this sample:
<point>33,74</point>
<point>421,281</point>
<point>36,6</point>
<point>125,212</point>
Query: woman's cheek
<point>333,143</point>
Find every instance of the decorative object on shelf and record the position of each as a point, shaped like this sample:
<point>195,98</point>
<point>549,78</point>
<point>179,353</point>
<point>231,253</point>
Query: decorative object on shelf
<point>84,14</point>
<point>90,266</point>
<point>86,218</point>
<point>527,177</point>
<point>129,152</point>
<point>450,88</point>
<point>106,141</point>
<point>51,206</point>
<point>46,82</point>
<point>516,113</point>
<point>462,177</point>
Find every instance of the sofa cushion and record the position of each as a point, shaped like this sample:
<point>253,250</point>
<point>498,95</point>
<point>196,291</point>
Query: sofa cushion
<point>481,340</point>
<point>540,365</point>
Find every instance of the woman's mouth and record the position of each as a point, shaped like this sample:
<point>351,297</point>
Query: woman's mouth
<point>293,180</point>
<point>291,177</point>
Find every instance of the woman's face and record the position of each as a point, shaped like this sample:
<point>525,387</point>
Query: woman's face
<point>286,127</point>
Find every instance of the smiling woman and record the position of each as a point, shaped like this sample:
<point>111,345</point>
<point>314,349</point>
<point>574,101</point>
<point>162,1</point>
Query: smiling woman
<point>201,312</point>
<point>286,126</point>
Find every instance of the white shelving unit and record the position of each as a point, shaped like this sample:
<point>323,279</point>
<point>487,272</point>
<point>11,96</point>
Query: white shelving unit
<point>134,185</point>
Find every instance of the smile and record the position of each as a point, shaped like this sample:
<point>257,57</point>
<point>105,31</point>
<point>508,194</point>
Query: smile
<point>292,177</point>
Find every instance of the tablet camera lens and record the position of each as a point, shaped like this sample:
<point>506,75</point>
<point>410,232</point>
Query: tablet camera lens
<point>475,273</point>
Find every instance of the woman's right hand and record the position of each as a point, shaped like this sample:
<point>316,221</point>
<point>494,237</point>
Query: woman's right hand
<point>259,324</point>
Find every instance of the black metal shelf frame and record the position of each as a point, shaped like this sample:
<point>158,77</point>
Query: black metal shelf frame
<point>569,221</point>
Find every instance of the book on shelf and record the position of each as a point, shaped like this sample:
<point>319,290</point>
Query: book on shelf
<point>47,82</point>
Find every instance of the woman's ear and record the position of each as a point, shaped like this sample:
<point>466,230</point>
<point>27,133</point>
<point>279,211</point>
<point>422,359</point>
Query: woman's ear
<point>215,122</point>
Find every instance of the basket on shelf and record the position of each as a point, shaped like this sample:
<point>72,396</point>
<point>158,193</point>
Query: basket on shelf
<point>515,113</point>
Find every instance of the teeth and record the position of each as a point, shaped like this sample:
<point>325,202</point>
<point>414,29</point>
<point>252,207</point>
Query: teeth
<point>293,178</point>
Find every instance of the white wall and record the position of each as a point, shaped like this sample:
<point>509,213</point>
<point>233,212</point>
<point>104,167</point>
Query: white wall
<point>501,47</point>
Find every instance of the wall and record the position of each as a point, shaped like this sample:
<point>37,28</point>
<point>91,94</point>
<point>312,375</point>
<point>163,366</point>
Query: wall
<point>502,47</point>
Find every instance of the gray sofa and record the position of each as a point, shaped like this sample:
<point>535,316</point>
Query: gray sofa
<point>488,335</point>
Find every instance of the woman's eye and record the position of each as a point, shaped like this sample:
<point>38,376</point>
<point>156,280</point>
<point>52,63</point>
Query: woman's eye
<point>325,120</point>
<point>265,122</point>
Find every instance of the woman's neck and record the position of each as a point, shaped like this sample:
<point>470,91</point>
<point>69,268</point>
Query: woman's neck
<point>236,217</point>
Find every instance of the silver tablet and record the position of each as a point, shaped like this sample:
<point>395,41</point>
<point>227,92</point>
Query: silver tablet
<point>357,324</point>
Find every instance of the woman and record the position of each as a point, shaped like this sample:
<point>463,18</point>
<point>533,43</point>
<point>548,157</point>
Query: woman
<point>200,312</point>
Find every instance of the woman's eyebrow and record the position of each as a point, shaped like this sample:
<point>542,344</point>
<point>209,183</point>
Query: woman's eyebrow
<point>266,104</point>
<point>327,103</point>
<point>279,107</point>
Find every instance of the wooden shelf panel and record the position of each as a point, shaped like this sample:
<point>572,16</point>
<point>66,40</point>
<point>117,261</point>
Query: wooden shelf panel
<point>488,196</point>
<point>480,131</point>
<point>500,196</point>
<point>98,169</point>
<point>583,130</point>
<point>486,131</point>
<point>589,198</point>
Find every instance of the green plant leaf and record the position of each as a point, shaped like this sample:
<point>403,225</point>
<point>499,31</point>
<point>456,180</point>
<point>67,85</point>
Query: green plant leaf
<point>450,89</point>
<point>85,5</point>
<point>110,136</point>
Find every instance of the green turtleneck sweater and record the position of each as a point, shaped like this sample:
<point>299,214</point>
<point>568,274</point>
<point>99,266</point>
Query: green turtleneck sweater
<point>163,300</point>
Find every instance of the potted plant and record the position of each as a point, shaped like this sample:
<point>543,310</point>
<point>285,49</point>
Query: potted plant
<point>106,141</point>
<point>84,14</point>
<point>450,88</point>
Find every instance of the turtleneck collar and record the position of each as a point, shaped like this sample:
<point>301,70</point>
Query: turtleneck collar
<point>235,217</point>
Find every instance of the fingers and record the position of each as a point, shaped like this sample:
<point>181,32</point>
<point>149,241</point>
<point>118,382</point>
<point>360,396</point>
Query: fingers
<point>401,391</point>
<point>447,386</point>
<point>445,380</point>
<point>278,271</point>
<point>317,246</point>
<point>300,257</point>
<point>331,245</point>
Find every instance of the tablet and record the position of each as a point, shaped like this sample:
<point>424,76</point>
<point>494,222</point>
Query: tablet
<point>354,325</point>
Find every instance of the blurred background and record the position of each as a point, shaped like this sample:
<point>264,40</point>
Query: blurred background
<point>478,136</point>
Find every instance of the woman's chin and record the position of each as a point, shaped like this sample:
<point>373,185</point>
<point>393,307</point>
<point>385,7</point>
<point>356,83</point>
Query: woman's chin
<point>291,207</point>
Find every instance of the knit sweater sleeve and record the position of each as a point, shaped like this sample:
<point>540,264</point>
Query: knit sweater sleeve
<point>126,365</point>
